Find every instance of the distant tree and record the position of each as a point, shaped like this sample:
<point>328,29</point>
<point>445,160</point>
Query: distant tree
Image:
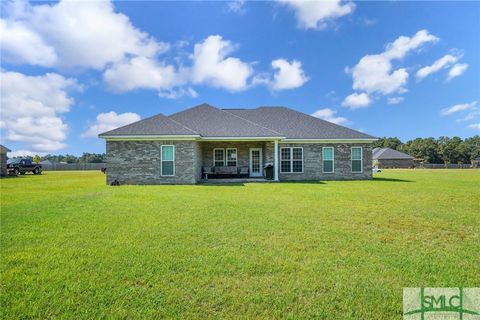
<point>423,148</point>
<point>36,158</point>
<point>92,157</point>
<point>449,149</point>
<point>471,148</point>
<point>388,142</point>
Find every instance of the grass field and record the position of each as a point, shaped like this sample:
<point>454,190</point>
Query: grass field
<point>72,247</point>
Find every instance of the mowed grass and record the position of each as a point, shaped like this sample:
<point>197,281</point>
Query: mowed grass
<point>72,247</point>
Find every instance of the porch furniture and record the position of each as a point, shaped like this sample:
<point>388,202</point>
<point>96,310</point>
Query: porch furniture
<point>225,172</point>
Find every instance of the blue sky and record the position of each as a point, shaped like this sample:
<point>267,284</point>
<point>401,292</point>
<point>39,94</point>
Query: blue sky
<point>73,69</point>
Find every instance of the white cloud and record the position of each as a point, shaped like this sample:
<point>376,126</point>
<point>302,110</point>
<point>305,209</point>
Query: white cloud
<point>20,44</point>
<point>444,62</point>
<point>287,75</point>
<point>474,126</point>
<point>140,73</point>
<point>357,101</point>
<point>178,93</point>
<point>73,34</point>
<point>457,70</point>
<point>24,153</point>
<point>109,121</point>
<point>318,14</point>
<point>329,115</point>
<point>375,73</point>
<point>212,66</point>
<point>394,100</point>
<point>237,6</point>
<point>475,114</point>
<point>458,107</point>
<point>31,109</point>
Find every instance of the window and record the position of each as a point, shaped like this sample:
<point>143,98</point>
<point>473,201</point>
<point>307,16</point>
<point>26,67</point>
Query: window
<point>231,157</point>
<point>285,163</point>
<point>291,160</point>
<point>168,160</point>
<point>327,159</point>
<point>357,159</point>
<point>218,157</point>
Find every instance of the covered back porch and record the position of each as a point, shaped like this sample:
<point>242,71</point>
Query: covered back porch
<point>238,159</point>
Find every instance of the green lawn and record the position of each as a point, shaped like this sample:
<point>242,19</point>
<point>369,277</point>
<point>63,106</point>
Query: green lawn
<point>72,247</point>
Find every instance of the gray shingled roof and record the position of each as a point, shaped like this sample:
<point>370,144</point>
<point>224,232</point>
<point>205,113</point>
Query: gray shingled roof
<point>208,121</point>
<point>297,125</point>
<point>212,122</point>
<point>388,153</point>
<point>156,125</point>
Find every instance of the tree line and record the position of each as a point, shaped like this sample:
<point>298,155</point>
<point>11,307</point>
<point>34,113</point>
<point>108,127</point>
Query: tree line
<point>443,150</point>
<point>86,157</point>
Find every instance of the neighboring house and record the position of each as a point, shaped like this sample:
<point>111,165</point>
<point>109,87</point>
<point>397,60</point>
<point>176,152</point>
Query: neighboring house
<point>390,158</point>
<point>189,145</point>
<point>48,163</point>
<point>3,160</point>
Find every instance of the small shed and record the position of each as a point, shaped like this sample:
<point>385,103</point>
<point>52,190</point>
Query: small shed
<point>390,158</point>
<point>3,160</point>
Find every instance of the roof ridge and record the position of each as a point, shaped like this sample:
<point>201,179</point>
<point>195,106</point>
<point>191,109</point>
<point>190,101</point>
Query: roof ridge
<point>257,124</point>
<point>182,125</point>
<point>129,124</point>
<point>331,123</point>
<point>194,107</point>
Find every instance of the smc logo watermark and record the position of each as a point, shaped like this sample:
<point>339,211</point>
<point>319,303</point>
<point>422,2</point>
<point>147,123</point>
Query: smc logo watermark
<point>441,303</point>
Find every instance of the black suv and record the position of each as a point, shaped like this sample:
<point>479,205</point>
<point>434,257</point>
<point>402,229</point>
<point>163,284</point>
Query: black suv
<point>22,166</point>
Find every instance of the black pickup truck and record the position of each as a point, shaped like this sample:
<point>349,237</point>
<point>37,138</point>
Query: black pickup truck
<point>22,166</point>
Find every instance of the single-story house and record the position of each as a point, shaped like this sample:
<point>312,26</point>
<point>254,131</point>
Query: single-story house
<point>3,160</point>
<point>207,142</point>
<point>391,158</point>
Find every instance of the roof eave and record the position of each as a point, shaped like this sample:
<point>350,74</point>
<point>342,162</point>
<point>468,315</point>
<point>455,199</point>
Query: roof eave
<point>149,137</point>
<point>346,140</point>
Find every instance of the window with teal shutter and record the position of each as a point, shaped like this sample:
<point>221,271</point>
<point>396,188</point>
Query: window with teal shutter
<point>328,160</point>
<point>357,159</point>
<point>168,160</point>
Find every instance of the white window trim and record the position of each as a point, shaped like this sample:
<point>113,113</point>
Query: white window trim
<point>161,160</point>
<point>224,155</point>
<point>323,159</point>
<point>291,161</point>
<point>361,159</point>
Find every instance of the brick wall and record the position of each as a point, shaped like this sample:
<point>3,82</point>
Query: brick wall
<point>138,162</point>
<point>394,163</point>
<point>243,151</point>
<point>313,164</point>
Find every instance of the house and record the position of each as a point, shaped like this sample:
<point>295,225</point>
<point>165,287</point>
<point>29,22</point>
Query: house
<point>390,158</point>
<point>3,160</point>
<point>205,141</point>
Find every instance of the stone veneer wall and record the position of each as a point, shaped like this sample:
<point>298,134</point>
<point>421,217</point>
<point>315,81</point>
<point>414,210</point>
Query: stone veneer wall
<point>243,151</point>
<point>394,163</point>
<point>138,162</point>
<point>313,164</point>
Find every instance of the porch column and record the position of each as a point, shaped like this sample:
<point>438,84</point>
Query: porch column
<point>275,165</point>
